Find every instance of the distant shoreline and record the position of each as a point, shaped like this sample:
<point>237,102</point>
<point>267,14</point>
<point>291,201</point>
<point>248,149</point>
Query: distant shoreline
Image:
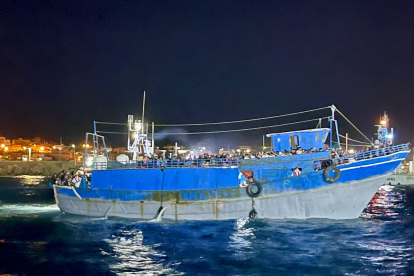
<point>40,168</point>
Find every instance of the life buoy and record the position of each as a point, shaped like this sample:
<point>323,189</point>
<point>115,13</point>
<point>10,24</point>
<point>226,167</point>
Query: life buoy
<point>337,173</point>
<point>254,189</point>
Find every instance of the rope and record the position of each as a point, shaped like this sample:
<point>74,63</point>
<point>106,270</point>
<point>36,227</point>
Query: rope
<point>354,126</point>
<point>248,120</point>
<point>236,130</point>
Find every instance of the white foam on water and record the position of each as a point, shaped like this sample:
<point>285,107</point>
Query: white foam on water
<point>19,209</point>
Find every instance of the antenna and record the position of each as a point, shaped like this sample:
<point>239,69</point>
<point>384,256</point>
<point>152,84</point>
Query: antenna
<point>143,112</point>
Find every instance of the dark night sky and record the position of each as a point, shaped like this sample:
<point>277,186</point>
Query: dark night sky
<point>66,63</point>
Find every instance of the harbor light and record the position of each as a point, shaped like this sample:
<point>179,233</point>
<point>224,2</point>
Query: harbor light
<point>42,148</point>
<point>73,145</point>
<point>351,151</point>
<point>2,145</point>
<point>390,136</point>
<point>54,147</point>
<point>89,161</point>
<point>25,148</point>
<point>6,148</point>
<point>383,122</point>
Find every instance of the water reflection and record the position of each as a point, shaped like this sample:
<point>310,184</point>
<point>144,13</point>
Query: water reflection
<point>25,189</point>
<point>388,244</point>
<point>132,257</point>
<point>240,239</point>
<point>389,202</point>
<point>32,179</point>
<point>389,256</point>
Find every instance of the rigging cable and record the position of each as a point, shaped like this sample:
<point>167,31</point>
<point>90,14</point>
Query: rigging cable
<point>353,140</point>
<point>223,131</point>
<point>229,122</point>
<point>354,126</point>
<point>108,123</point>
<point>247,120</point>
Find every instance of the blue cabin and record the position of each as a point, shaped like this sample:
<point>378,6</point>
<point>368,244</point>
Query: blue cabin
<point>306,139</point>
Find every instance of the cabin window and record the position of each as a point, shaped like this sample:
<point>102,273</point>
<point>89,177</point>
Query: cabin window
<point>325,135</point>
<point>294,142</point>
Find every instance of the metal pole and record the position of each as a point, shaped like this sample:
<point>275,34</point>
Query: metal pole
<point>143,112</point>
<point>330,136</point>
<point>330,125</point>
<point>346,142</point>
<point>263,143</point>
<point>152,138</point>
<point>74,155</point>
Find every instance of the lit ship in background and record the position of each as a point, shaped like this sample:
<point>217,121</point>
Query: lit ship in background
<point>403,174</point>
<point>321,184</point>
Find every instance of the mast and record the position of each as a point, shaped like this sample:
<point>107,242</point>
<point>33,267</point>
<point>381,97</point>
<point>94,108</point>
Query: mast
<point>143,112</point>
<point>332,123</point>
<point>152,139</point>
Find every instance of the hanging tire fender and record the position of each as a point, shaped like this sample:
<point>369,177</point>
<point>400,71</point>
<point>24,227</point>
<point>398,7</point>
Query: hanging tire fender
<point>254,189</point>
<point>337,173</point>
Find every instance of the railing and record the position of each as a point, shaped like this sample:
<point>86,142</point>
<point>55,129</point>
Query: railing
<point>371,154</point>
<point>380,152</point>
<point>227,162</point>
<point>159,164</point>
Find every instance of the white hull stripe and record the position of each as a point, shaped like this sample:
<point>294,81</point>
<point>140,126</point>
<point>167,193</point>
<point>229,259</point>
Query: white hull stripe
<point>374,164</point>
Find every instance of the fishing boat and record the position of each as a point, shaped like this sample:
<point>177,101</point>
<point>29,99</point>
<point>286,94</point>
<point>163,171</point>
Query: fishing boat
<point>323,183</point>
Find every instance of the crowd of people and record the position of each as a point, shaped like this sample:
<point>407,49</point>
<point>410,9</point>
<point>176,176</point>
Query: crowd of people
<point>68,178</point>
<point>207,159</point>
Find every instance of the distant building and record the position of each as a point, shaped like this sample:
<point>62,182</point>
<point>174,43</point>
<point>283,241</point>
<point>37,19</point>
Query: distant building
<point>15,148</point>
<point>4,141</point>
<point>21,141</point>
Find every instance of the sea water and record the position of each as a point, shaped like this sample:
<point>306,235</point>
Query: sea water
<point>36,238</point>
